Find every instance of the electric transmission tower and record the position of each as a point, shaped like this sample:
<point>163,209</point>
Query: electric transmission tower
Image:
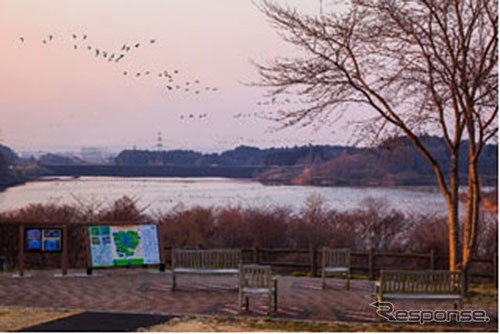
<point>159,142</point>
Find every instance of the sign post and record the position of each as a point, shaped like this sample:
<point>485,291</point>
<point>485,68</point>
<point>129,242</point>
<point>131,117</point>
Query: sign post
<point>43,239</point>
<point>64,257</point>
<point>86,246</point>
<point>20,258</point>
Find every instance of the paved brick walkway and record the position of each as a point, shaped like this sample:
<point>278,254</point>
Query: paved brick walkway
<point>147,291</point>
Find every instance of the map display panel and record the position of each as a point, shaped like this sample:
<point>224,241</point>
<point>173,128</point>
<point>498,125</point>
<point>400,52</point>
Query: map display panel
<point>131,245</point>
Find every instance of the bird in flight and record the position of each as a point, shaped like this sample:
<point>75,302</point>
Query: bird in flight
<point>152,41</point>
<point>21,39</point>
<point>74,36</point>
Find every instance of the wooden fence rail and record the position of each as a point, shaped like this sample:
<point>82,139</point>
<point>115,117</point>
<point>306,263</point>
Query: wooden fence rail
<point>365,263</point>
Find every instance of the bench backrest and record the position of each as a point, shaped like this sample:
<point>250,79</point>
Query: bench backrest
<point>255,276</point>
<point>426,281</point>
<point>206,258</point>
<point>336,257</point>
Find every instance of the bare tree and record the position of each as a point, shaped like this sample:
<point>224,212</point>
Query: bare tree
<point>421,67</point>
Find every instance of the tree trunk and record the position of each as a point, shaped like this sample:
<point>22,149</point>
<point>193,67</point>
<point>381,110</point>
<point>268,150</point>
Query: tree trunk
<point>453,230</point>
<point>471,219</point>
<point>452,203</point>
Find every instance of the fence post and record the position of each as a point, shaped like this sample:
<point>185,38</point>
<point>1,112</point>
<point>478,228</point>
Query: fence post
<point>64,255</point>
<point>371,263</point>
<point>495,268</point>
<point>432,259</point>
<point>255,255</point>
<point>314,267</point>
<point>20,259</point>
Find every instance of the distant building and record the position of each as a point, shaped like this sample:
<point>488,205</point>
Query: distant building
<point>93,155</point>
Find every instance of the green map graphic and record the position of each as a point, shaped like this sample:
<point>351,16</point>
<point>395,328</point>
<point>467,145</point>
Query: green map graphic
<point>126,242</point>
<point>125,246</point>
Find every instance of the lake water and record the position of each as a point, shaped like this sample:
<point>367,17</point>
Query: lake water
<point>161,194</point>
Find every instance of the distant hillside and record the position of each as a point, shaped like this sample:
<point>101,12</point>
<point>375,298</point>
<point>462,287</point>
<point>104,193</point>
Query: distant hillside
<point>8,176</point>
<point>8,154</point>
<point>240,156</point>
<point>393,163</point>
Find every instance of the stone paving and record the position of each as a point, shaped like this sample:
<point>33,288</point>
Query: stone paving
<point>148,291</point>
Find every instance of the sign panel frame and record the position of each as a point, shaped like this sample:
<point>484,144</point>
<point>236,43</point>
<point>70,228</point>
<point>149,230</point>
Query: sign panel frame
<point>43,239</point>
<point>122,245</point>
<point>61,236</point>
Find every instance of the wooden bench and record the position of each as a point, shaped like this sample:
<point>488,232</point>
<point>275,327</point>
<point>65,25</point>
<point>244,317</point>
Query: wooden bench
<point>336,261</point>
<point>420,285</point>
<point>256,280</point>
<point>205,261</point>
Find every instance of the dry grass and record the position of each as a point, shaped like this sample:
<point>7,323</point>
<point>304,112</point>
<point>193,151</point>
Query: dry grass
<point>16,318</point>
<point>482,296</point>
<point>224,324</point>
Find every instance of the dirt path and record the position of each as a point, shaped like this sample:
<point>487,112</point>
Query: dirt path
<point>13,318</point>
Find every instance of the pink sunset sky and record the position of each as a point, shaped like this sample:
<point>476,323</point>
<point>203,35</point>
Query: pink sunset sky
<point>53,97</point>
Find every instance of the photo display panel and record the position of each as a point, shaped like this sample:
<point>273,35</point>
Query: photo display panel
<point>34,239</point>
<point>130,245</point>
<point>51,240</point>
<point>46,240</point>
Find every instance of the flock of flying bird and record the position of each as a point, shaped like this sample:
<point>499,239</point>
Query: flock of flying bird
<point>171,79</point>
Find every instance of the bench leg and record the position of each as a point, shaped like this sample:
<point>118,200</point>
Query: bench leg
<point>348,280</point>
<point>247,303</point>
<point>323,277</point>
<point>378,309</point>
<point>459,305</point>
<point>269,303</point>
<point>173,281</point>
<point>275,296</point>
<point>240,301</point>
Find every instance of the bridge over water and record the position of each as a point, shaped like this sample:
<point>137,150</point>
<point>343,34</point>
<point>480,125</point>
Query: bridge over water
<point>155,171</point>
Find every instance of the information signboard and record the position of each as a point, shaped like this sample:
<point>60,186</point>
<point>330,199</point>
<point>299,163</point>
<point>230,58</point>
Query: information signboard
<point>130,245</point>
<point>47,240</point>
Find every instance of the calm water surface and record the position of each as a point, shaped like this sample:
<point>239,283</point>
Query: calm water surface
<point>161,194</point>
